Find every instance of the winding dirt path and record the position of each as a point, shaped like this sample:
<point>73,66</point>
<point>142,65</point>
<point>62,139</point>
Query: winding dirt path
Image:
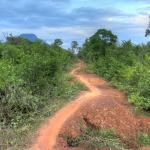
<point>101,105</point>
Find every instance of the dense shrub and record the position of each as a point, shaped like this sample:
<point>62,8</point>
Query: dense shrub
<point>30,74</point>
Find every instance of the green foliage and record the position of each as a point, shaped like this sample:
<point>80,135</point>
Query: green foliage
<point>58,42</point>
<point>74,47</point>
<point>126,65</point>
<point>95,139</point>
<point>68,87</point>
<point>100,138</point>
<point>74,44</point>
<point>101,40</point>
<point>17,104</point>
<point>26,111</point>
<point>144,139</point>
<point>38,71</point>
<point>33,83</point>
<point>28,71</point>
<point>96,45</point>
<point>8,76</point>
<point>17,41</point>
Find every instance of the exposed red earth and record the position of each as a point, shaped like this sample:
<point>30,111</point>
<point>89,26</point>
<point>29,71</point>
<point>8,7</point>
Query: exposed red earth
<point>101,105</point>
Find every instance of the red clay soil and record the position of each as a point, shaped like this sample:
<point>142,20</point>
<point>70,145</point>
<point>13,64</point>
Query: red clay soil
<point>101,106</point>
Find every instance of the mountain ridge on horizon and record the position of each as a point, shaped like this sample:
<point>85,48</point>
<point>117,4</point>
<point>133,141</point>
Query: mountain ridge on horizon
<point>30,36</point>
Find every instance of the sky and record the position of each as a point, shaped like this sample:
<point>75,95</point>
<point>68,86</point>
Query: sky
<point>75,20</point>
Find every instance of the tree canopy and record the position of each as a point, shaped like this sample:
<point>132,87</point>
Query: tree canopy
<point>96,45</point>
<point>58,42</point>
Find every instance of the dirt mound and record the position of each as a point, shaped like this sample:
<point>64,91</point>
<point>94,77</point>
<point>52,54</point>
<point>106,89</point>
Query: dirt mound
<point>101,106</point>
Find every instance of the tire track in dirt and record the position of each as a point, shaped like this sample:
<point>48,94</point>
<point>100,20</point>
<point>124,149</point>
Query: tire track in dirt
<point>47,137</point>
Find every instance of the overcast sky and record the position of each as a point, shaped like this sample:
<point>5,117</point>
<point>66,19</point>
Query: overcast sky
<point>75,20</point>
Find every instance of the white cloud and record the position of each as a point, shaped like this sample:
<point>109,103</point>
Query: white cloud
<point>141,20</point>
<point>110,19</point>
<point>143,6</point>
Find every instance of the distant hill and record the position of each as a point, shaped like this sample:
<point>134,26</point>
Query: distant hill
<point>30,36</point>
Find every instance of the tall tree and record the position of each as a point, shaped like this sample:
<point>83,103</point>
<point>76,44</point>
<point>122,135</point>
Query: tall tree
<point>101,40</point>
<point>58,42</point>
<point>95,46</point>
<point>74,46</point>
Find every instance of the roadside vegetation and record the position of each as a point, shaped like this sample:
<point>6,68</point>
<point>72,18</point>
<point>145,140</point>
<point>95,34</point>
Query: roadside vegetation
<point>125,65</point>
<point>101,138</point>
<point>34,83</point>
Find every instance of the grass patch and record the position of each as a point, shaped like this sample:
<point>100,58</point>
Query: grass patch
<point>99,138</point>
<point>144,140</point>
<point>95,139</point>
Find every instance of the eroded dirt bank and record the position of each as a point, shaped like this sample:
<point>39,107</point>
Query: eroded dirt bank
<point>102,106</point>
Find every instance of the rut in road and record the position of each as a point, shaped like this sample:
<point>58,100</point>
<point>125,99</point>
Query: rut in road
<point>102,105</point>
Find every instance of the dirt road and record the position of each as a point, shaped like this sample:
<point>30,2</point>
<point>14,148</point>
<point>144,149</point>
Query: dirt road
<point>101,105</point>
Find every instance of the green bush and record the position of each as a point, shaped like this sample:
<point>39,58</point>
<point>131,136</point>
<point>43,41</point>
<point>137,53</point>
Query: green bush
<point>8,76</point>
<point>17,103</point>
